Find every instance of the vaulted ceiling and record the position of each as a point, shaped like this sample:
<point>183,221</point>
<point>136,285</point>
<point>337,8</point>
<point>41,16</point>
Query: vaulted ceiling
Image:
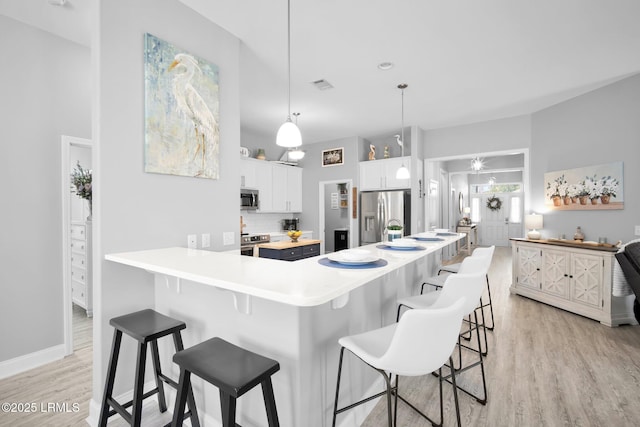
<point>464,61</point>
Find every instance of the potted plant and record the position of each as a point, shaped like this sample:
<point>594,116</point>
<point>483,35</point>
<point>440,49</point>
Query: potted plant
<point>81,180</point>
<point>594,187</point>
<point>557,189</point>
<point>394,231</point>
<point>609,187</point>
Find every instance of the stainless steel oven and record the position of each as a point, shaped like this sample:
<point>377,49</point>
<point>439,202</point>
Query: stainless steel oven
<point>249,242</point>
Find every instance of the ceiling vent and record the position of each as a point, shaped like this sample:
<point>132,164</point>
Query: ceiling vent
<point>322,84</point>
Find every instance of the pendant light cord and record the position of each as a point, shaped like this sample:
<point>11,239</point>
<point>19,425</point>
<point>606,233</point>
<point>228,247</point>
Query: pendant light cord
<point>289,55</point>
<point>402,122</point>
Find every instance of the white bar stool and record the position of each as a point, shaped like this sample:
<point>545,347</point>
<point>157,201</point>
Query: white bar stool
<point>419,344</point>
<point>471,286</point>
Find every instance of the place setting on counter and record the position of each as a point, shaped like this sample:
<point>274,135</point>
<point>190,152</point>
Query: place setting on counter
<point>352,259</point>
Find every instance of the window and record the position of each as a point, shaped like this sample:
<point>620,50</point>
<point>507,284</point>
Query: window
<point>475,209</point>
<point>496,188</point>
<point>515,213</point>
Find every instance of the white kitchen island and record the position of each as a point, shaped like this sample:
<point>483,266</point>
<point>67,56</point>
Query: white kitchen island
<point>293,312</point>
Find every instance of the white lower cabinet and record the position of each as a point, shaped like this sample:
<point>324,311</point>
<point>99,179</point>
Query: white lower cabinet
<point>81,286</point>
<point>574,279</point>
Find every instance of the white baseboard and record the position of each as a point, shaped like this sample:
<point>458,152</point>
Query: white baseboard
<point>32,360</point>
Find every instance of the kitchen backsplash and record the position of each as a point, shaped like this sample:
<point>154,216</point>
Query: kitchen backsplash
<point>263,223</point>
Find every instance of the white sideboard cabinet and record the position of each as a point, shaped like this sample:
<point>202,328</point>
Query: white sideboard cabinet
<point>574,279</point>
<point>81,283</point>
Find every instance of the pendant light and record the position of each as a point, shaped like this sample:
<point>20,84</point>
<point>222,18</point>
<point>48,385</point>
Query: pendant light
<point>294,153</point>
<point>289,134</point>
<point>403,171</point>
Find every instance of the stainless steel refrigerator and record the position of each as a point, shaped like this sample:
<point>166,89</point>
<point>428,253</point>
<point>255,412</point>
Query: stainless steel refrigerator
<point>377,208</point>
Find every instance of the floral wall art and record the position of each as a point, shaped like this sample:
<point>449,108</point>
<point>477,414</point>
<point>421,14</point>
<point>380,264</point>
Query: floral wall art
<point>181,112</point>
<point>592,187</point>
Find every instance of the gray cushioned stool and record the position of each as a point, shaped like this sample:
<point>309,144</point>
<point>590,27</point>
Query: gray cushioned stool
<point>145,326</point>
<point>233,370</point>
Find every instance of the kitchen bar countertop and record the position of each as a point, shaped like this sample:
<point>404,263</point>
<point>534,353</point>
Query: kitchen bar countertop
<point>302,283</point>
<point>288,244</point>
<point>294,312</point>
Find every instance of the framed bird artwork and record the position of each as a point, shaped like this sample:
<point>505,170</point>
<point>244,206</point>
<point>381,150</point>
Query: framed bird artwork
<point>181,112</point>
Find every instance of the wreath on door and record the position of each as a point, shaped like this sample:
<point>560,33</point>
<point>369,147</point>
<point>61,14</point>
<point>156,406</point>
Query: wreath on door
<point>494,203</point>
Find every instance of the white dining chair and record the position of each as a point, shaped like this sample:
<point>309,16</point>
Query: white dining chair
<point>458,285</point>
<point>421,343</point>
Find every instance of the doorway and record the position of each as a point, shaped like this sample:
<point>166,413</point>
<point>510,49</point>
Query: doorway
<point>76,247</point>
<point>335,223</point>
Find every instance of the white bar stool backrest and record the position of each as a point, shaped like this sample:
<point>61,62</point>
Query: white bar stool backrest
<point>469,286</point>
<point>423,340</point>
<point>486,252</point>
<point>474,265</point>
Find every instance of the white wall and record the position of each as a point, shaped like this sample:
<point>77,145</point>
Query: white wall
<point>135,210</point>
<point>492,136</point>
<point>45,88</point>
<point>599,127</point>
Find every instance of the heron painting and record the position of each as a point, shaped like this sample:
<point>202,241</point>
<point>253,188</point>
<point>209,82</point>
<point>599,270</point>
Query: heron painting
<point>181,112</point>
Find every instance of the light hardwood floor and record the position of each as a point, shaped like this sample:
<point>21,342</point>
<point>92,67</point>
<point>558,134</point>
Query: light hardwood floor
<point>546,367</point>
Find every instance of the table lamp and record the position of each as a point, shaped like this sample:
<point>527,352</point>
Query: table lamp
<point>467,211</point>
<point>533,222</point>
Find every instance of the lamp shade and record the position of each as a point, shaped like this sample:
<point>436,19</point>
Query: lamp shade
<point>466,210</point>
<point>289,135</point>
<point>533,222</point>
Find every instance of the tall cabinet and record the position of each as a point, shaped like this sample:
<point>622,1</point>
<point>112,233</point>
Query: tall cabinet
<point>81,286</point>
<point>578,280</point>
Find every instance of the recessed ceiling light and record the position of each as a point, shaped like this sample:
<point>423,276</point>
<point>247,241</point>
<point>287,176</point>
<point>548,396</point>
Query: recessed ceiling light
<point>384,66</point>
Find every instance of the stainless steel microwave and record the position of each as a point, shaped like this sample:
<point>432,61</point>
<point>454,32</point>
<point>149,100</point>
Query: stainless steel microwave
<point>249,199</point>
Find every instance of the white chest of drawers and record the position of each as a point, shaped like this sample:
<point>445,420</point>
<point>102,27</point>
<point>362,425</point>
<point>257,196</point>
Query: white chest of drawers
<point>81,286</point>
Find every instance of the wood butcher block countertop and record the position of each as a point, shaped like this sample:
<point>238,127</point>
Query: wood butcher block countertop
<point>288,244</point>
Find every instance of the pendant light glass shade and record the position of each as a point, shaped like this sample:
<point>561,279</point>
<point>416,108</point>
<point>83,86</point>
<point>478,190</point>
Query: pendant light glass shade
<point>289,135</point>
<point>295,155</point>
<point>403,173</point>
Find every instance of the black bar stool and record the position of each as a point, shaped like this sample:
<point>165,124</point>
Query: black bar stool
<point>145,326</point>
<point>233,370</point>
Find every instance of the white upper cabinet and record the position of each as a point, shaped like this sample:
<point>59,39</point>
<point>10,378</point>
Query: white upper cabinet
<point>287,188</point>
<point>381,174</point>
<point>279,186</point>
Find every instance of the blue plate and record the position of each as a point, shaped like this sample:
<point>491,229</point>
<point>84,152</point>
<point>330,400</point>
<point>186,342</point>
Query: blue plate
<point>446,234</point>
<point>396,248</point>
<point>326,261</point>
<point>427,239</point>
